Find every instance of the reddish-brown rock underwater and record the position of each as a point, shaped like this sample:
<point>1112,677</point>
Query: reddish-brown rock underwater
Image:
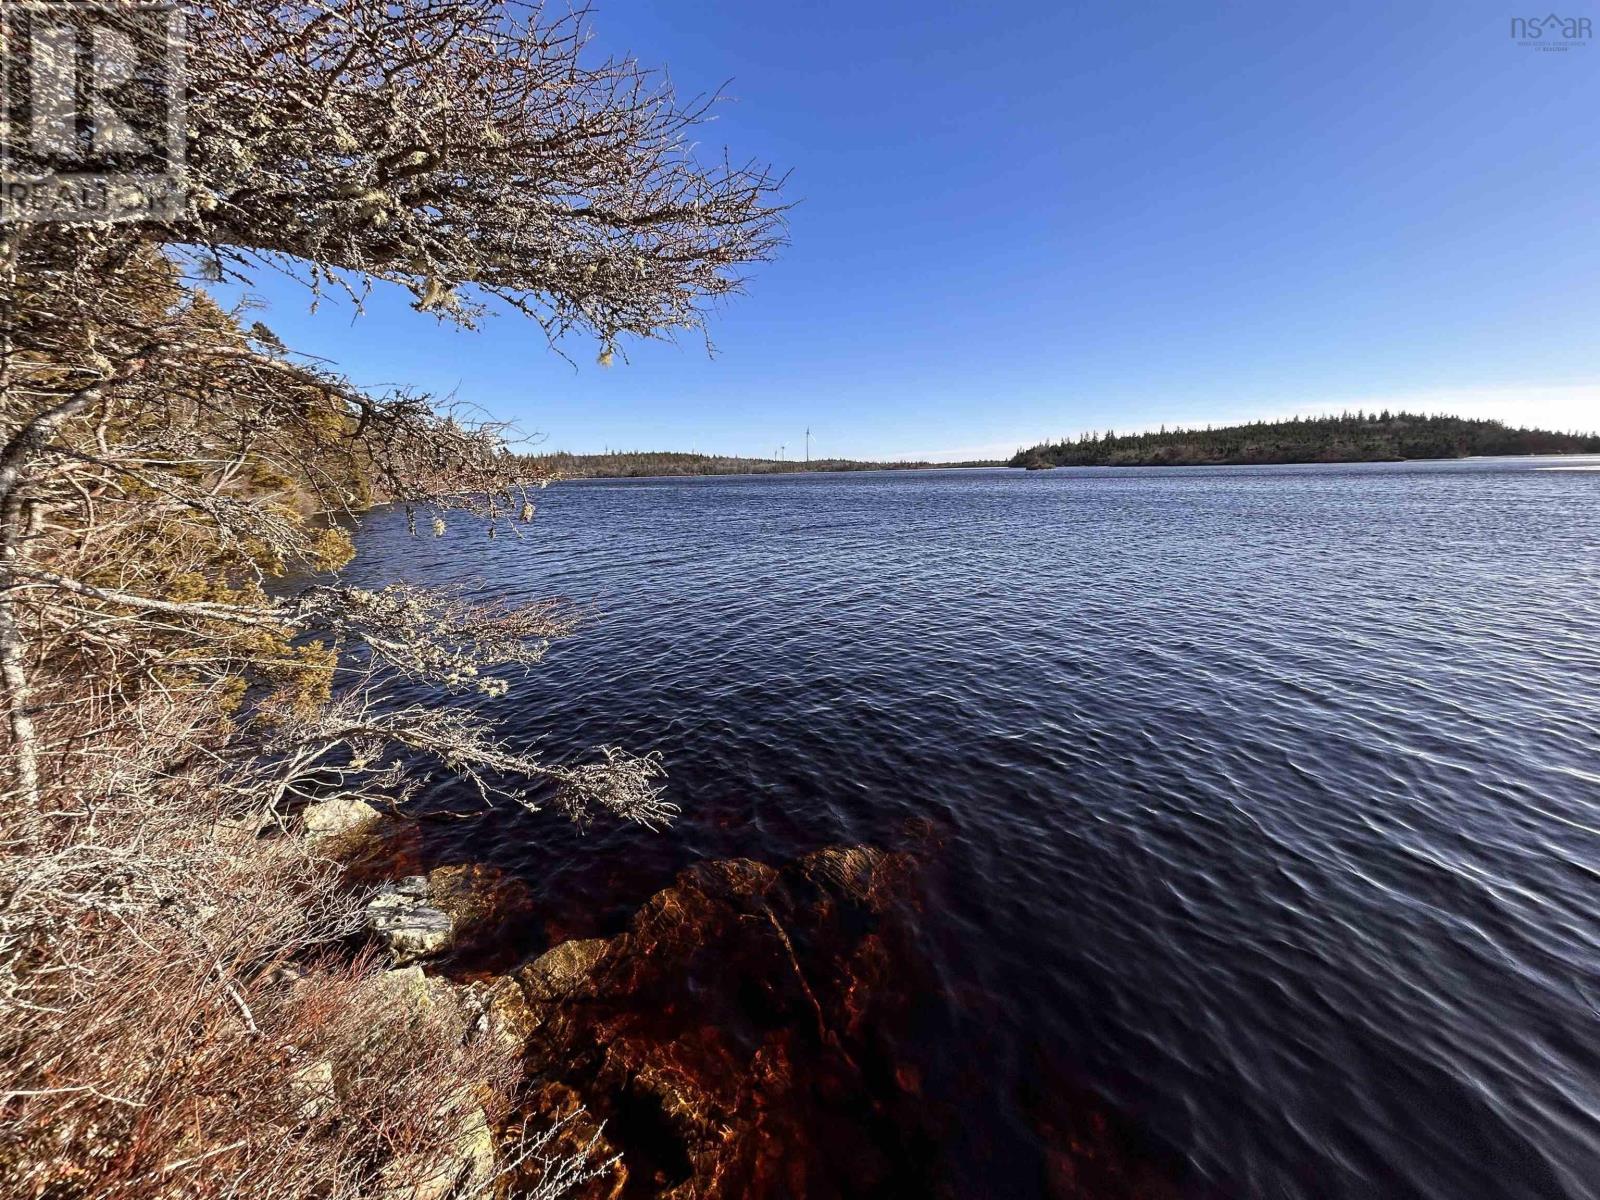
<point>751,1035</point>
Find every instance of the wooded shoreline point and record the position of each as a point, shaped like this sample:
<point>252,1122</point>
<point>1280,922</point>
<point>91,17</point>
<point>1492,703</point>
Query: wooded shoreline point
<point>1358,437</point>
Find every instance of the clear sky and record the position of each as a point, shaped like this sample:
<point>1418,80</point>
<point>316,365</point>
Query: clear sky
<point>1025,220</point>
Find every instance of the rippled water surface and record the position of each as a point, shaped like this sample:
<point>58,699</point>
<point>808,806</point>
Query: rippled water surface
<point>1264,800</point>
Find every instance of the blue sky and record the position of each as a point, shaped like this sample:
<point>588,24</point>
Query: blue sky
<point>1025,220</point>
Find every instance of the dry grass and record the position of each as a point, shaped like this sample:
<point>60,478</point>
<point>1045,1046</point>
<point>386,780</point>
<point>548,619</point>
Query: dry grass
<point>180,1014</point>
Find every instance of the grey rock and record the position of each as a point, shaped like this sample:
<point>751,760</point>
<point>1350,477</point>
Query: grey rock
<point>331,818</point>
<point>312,1086</point>
<point>412,927</point>
<point>411,995</point>
<point>463,1167</point>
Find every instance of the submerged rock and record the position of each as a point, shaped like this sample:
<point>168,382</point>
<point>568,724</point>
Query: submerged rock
<point>759,1033</point>
<point>736,1039</point>
<point>507,1015</point>
<point>561,970</point>
<point>574,1135</point>
<point>485,905</point>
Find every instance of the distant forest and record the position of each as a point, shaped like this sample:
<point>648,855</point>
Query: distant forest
<point>636,463</point>
<point>1358,437</point>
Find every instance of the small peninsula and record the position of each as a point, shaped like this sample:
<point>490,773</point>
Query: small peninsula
<point>1358,437</point>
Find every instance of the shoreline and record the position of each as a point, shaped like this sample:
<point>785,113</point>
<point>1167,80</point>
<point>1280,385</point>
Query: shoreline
<point>1133,466</point>
<point>885,470</point>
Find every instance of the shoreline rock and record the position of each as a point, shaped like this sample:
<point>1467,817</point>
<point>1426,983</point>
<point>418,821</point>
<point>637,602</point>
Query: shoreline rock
<point>756,1032</point>
<point>336,818</point>
<point>404,916</point>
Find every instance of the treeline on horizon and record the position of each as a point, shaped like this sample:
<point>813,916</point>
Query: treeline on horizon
<point>639,464</point>
<point>1350,437</point>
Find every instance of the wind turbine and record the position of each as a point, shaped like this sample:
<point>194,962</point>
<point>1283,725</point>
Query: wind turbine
<point>808,445</point>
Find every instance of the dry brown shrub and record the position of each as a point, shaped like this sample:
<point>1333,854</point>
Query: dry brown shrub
<point>182,1016</point>
<point>175,981</point>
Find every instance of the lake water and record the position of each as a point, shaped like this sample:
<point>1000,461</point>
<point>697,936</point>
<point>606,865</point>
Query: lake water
<point>1266,801</point>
